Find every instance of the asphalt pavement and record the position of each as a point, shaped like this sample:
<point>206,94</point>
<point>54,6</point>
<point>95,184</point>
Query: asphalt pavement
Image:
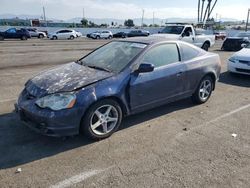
<point>176,145</point>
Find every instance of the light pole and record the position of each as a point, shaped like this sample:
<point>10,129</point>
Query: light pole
<point>142,18</point>
<point>153,19</point>
<point>44,16</point>
<point>247,18</point>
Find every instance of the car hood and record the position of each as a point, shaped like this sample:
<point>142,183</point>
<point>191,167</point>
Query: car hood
<point>168,36</point>
<point>243,54</point>
<point>69,77</point>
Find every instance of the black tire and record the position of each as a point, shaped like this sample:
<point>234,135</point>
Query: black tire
<point>98,37</point>
<point>54,38</point>
<point>197,98</point>
<point>40,36</point>
<point>71,37</point>
<point>110,37</point>
<point>205,46</point>
<point>1,38</point>
<point>85,127</point>
<point>23,38</point>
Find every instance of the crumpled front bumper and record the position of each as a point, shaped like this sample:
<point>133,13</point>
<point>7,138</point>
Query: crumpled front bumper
<point>48,122</point>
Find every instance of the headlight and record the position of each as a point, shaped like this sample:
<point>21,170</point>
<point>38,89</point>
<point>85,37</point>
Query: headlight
<point>57,101</point>
<point>232,59</point>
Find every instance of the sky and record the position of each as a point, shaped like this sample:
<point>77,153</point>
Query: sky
<point>122,9</point>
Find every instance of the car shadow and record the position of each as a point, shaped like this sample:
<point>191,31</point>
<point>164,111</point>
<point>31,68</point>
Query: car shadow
<point>235,79</point>
<point>20,145</point>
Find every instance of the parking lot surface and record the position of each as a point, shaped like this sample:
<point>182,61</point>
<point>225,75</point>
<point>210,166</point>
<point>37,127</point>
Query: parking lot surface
<point>176,145</point>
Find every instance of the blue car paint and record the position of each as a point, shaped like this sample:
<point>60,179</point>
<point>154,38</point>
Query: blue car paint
<point>135,92</point>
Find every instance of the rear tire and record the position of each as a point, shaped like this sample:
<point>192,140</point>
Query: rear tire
<point>102,119</point>
<point>98,37</point>
<point>40,36</point>
<point>23,38</point>
<point>1,38</point>
<point>205,46</point>
<point>203,91</point>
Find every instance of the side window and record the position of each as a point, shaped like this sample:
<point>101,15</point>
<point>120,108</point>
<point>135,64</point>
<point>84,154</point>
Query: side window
<point>188,52</point>
<point>12,30</point>
<point>188,31</point>
<point>162,55</point>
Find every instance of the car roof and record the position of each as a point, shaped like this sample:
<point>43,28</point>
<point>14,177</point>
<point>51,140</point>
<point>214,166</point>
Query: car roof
<point>147,40</point>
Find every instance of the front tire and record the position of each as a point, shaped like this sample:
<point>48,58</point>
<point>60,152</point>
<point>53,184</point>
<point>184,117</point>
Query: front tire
<point>203,91</point>
<point>1,38</point>
<point>54,38</point>
<point>71,37</point>
<point>102,119</point>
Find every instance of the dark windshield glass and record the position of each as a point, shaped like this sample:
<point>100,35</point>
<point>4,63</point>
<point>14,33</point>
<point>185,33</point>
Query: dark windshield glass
<point>243,35</point>
<point>173,30</point>
<point>113,56</point>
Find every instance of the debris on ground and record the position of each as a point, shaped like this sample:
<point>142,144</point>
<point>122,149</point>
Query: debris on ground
<point>18,170</point>
<point>234,135</point>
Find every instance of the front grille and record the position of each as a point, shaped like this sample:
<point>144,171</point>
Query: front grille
<point>244,62</point>
<point>243,70</point>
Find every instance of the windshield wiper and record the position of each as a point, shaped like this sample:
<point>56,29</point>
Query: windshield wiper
<point>99,68</point>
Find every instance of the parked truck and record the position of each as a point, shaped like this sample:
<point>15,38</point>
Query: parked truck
<point>188,34</point>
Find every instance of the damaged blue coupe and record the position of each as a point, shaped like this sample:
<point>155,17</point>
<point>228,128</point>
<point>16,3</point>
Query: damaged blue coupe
<point>121,78</point>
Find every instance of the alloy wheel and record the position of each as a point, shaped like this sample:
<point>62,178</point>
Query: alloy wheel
<point>104,120</point>
<point>205,90</point>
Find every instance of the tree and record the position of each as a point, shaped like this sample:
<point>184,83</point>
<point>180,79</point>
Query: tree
<point>84,22</point>
<point>129,23</point>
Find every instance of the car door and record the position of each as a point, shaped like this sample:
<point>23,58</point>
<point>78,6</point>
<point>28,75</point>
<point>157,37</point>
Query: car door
<point>33,33</point>
<point>188,35</point>
<point>67,34</point>
<point>61,34</point>
<point>11,33</point>
<point>165,83</point>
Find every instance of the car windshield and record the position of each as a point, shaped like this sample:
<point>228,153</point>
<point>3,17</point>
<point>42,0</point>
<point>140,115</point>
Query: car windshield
<point>173,30</point>
<point>243,35</point>
<point>113,56</point>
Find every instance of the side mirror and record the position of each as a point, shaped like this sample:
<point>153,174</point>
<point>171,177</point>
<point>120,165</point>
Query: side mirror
<point>243,45</point>
<point>145,67</point>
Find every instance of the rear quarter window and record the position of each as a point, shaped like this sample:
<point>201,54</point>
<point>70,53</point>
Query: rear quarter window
<point>187,52</point>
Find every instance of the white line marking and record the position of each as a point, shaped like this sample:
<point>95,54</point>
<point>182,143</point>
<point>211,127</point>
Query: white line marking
<point>216,119</point>
<point>18,74</point>
<point>8,100</point>
<point>76,179</point>
<point>229,113</point>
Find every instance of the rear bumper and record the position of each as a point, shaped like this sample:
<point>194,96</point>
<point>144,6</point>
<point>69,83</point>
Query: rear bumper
<point>43,123</point>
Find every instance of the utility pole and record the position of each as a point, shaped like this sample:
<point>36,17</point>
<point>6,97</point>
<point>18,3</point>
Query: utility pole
<point>153,18</point>
<point>199,5</point>
<point>142,18</point>
<point>83,13</point>
<point>247,18</point>
<point>44,17</point>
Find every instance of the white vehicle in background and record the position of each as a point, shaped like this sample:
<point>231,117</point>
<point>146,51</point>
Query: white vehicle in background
<point>240,61</point>
<point>188,34</point>
<point>35,33</point>
<point>78,34</point>
<point>63,34</point>
<point>104,34</point>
